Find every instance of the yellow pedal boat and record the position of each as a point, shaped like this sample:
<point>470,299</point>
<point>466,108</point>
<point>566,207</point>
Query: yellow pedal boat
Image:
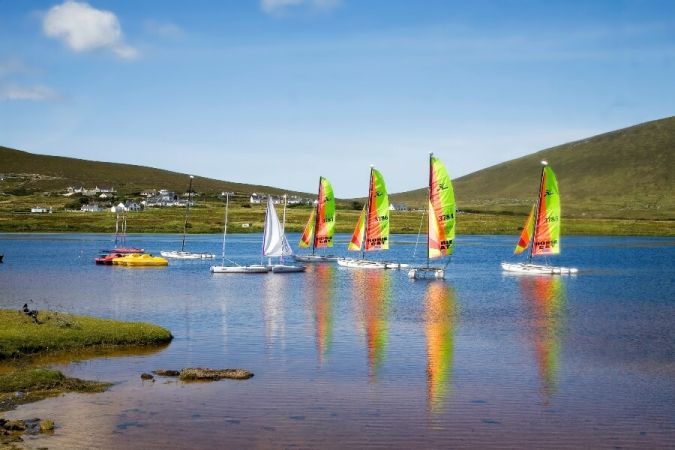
<point>139,260</point>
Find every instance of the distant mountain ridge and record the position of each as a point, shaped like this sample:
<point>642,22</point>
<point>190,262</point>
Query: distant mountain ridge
<point>53,173</point>
<point>627,173</point>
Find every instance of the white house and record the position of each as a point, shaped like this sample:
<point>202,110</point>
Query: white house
<point>41,210</point>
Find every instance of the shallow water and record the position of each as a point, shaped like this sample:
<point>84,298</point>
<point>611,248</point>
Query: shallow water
<point>350,358</point>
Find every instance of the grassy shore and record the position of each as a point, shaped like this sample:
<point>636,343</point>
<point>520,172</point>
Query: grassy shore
<point>22,336</point>
<point>243,218</point>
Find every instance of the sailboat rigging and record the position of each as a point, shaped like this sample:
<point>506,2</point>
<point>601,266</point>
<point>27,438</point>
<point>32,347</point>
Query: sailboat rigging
<point>441,221</point>
<point>234,268</point>
<point>320,227</point>
<point>541,232</point>
<point>275,243</point>
<point>182,254</point>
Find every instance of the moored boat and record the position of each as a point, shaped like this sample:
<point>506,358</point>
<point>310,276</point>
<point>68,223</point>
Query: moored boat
<point>541,232</point>
<point>441,221</point>
<point>320,227</point>
<point>140,260</point>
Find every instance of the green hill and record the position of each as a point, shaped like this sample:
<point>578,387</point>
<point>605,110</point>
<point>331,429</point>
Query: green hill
<point>628,173</point>
<point>28,173</point>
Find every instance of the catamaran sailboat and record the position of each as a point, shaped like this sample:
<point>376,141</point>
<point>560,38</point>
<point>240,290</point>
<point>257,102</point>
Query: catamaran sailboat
<point>318,232</point>
<point>234,268</point>
<point>275,243</point>
<point>542,229</point>
<point>441,223</point>
<point>182,254</point>
<point>372,228</point>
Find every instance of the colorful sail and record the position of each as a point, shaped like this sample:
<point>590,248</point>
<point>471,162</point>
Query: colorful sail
<point>526,234</point>
<point>547,226</point>
<point>441,210</point>
<point>377,230</point>
<point>308,232</point>
<point>359,231</point>
<point>325,220</point>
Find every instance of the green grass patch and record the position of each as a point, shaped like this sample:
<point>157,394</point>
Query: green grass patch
<point>20,335</point>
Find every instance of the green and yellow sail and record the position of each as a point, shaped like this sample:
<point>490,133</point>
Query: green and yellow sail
<point>377,226</point>
<point>320,226</point>
<point>441,210</point>
<point>547,225</point>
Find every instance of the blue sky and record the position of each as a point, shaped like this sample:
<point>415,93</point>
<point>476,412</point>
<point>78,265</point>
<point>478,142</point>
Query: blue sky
<point>278,92</point>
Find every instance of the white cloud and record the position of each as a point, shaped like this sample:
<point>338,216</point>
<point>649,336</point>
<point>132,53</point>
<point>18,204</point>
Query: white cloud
<point>282,6</point>
<point>163,29</point>
<point>35,93</point>
<point>84,28</point>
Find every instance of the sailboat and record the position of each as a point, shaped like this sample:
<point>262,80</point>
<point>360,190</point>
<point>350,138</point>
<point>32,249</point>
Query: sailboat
<point>541,232</point>
<point>234,268</point>
<point>320,227</point>
<point>182,254</point>
<point>372,228</point>
<point>441,223</point>
<point>275,243</point>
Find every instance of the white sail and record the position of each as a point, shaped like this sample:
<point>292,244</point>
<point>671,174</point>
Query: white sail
<point>274,239</point>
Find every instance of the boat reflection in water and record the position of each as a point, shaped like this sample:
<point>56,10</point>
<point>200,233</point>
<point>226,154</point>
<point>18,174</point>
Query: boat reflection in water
<point>276,290</point>
<point>372,290</point>
<point>545,298</point>
<point>323,293</point>
<point>440,321</point>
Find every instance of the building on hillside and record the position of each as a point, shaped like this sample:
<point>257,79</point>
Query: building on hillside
<point>40,210</point>
<point>92,207</point>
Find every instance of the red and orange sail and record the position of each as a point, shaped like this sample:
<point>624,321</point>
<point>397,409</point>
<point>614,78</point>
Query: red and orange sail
<point>441,210</point>
<point>547,225</point>
<point>308,232</point>
<point>526,234</point>
<point>357,237</point>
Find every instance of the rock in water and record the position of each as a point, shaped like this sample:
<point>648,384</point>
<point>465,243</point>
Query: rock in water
<point>166,373</point>
<point>46,426</point>
<point>198,373</point>
<point>147,376</point>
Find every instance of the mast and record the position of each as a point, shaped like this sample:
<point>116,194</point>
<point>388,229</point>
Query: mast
<point>283,230</point>
<point>227,205</point>
<point>365,231</point>
<point>316,218</point>
<point>431,169</point>
<point>536,213</point>
<point>187,214</point>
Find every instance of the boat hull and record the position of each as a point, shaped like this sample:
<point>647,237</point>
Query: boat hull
<point>286,268</point>
<point>239,269</point>
<point>537,269</point>
<point>186,255</point>
<point>315,258</point>
<point>367,264</point>
<point>136,260</point>
<point>421,273</point>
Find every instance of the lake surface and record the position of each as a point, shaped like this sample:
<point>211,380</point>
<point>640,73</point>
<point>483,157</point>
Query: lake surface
<point>351,358</point>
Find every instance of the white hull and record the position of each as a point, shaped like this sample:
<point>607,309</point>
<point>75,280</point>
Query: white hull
<point>315,258</point>
<point>186,255</point>
<point>537,269</point>
<point>366,264</point>
<point>421,273</point>
<point>240,269</point>
<point>286,268</point>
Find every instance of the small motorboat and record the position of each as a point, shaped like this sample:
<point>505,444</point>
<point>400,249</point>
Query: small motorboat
<point>107,259</point>
<point>140,260</point>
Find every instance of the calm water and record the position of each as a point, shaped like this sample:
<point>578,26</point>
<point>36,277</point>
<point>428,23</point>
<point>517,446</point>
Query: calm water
<point>348,358</point>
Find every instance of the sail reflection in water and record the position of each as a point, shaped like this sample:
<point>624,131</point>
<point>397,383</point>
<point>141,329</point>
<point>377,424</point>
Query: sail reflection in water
<point>545,298</point>
<point>440,322</point>
<point>372,290</point>
<point>324,290</point>
<point>276,290</point>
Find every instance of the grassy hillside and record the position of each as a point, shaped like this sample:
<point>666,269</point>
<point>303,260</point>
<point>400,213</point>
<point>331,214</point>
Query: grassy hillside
<point>40,173</point>
<point>625,174</point>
